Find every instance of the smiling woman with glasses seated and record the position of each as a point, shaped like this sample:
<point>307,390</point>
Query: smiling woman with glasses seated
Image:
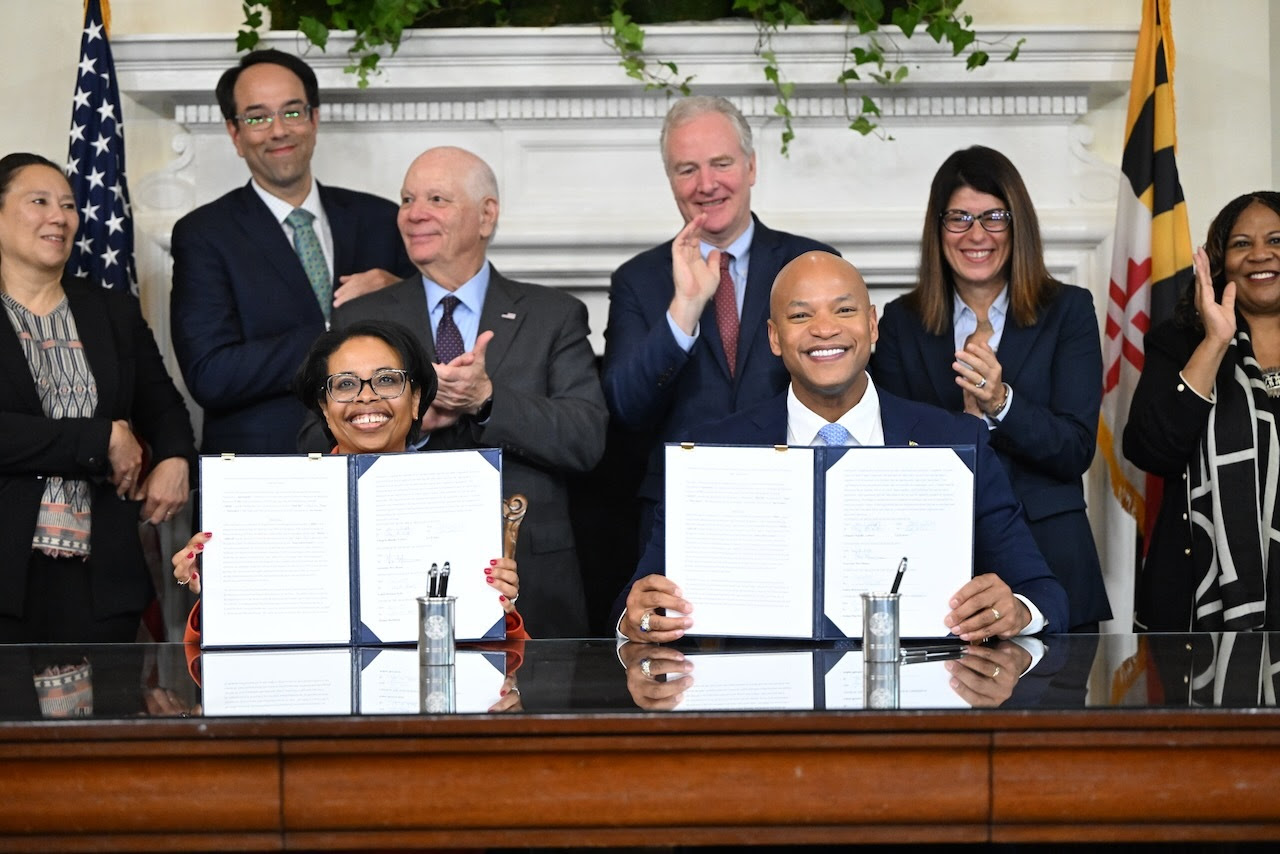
<point>987,330</point>
<point>370,382</point>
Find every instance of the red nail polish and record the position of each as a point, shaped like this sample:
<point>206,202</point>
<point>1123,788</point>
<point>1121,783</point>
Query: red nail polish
<point>199,547</point>
<point>493,562</point>
<point>190,555</point>
<point>488,570</point>
<point>488,580</point>
<point>501,598</point>
<point>504,692</point>
<point>208,535</point>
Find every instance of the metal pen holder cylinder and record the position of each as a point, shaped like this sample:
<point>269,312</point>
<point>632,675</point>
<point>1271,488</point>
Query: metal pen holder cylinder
<point>880,640</point>
<point>436,630</point>
<point>438,689</point>
<point>880,684</point>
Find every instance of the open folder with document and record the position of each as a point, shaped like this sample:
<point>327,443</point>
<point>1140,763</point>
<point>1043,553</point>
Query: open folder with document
<point>781,541</point>
<point>336,549</point>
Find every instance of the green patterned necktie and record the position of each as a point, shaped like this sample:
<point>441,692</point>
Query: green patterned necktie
<point>307,245</point>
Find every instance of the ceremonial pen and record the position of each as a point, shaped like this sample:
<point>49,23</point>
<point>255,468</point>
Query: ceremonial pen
<point>444,578</point>
<point>433,578</point>
<point>897,579</point>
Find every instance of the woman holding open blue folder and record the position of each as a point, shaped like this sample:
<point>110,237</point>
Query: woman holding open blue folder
<point>370,382</point>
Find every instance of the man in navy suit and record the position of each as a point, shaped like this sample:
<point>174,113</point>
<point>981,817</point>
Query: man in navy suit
<point>244,310</point>
<point>665,363</point>
<point>823,326</point>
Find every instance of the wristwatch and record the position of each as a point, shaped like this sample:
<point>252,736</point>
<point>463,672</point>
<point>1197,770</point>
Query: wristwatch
<point>485,410</point>
<point>1004,404</point>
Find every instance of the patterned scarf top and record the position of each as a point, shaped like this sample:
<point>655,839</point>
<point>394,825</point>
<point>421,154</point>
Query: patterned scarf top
<point>67,389</point>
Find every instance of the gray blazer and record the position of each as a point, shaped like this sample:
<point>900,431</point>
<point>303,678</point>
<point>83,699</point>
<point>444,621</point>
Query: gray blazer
<point>548,417</point>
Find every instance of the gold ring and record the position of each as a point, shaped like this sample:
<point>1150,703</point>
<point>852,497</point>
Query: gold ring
<point>644,668</point>
<point>997,673</point>
<point>997,613</point>
<point>644,621</point>
<point>184,583</point>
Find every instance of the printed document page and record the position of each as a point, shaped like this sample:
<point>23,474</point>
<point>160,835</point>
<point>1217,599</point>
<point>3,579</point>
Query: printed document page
<point>739,538</point>
<point>276,570</point>
<point>393,683</point>
<point>749,681</point>
<point>424,508</point>
<point>276,682</point>
<point>884,504</point>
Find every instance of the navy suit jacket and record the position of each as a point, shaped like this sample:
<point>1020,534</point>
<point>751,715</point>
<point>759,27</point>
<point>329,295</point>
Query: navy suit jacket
<point>1001,541</point>
<point>548,417</point>
<point>243,314</point>
<point>659,391</point>
<point>1047,438</point>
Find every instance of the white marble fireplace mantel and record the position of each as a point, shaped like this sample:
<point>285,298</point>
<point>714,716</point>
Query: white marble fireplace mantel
<point>574,141</point>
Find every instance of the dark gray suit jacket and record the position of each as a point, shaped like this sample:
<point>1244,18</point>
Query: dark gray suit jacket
<point>548,417</point>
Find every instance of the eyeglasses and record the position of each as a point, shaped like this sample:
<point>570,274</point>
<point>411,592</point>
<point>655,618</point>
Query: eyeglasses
<point>261,120</point>
<point>994,220</point>
<point>387,384</point>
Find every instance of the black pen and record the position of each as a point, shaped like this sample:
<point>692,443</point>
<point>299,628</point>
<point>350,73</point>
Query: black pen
<point>433,577</point>
<point>897,579</point>
<point>444,578</point>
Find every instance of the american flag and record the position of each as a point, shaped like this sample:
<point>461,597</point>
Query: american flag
<point>103,250</point>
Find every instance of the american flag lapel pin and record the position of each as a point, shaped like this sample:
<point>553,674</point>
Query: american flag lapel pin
<point>509,315</point>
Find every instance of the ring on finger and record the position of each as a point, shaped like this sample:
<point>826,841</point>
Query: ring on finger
<point>982,383</point>
<point>644,621</point>
<point>644,668</point>
<point>996,673</point>
<point>184,583</point>
<point>997,613</point>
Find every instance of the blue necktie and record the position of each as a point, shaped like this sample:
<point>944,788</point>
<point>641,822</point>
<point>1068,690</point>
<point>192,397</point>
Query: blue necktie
<point>834,434</point>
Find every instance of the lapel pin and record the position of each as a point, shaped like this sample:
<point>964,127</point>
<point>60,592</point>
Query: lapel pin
<point>910,443</point>
<point>510,315</point>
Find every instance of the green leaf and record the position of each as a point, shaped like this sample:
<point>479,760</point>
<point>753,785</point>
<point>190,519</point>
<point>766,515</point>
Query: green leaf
<point>1013,54</point>
<point>862,125</point>
<point>847,75</point>
<point>869,107</point>
<point>786,90</point>
<point>907,18</point>
<point>977,59</point>
<point>246,40</point>
<point>900,74</point>
<point>316,32</point>
<point>862,56</point>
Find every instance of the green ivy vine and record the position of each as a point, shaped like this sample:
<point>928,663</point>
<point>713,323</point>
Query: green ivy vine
<point>875,25</point>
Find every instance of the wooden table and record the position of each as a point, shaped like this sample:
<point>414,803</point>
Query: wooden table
<point>579,777</point>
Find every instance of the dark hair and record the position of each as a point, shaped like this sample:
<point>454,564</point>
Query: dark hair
<point>1030,285</point>
<point>308,383</point>
<point>11,164</point>
<point>226,89</point>
<point>1215,246</point>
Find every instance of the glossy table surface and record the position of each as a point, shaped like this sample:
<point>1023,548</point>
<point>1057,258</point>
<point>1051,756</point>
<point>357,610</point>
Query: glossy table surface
<point>1104,737</point>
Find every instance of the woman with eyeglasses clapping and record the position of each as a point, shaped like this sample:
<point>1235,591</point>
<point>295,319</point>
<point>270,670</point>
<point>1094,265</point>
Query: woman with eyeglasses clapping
<point>988,331</point>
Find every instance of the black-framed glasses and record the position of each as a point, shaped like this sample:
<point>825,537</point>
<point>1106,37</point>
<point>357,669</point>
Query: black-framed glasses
<point>290,116</point>
<point>994,220</point>
<point>388,384</point>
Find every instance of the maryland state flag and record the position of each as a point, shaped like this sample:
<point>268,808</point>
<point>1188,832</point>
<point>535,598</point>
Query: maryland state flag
<point>1151,260</point>
<point>1150,267</point>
